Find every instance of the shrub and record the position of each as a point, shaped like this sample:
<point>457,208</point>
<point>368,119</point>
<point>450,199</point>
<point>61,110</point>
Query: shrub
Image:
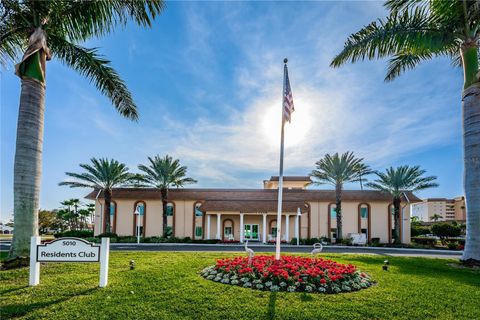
<point>460,241</point>
<point>453,245</point>
<point>127,239</point>
<point>75,234</point>
<point>93,239</point>
<point>107,235</point>
<point>425,241</point>
<point>418,230</point>
<point>444,230</point>
<point>374,241</point>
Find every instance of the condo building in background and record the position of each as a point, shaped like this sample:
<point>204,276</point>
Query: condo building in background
<point>251,214</point>
<point>440,209</point>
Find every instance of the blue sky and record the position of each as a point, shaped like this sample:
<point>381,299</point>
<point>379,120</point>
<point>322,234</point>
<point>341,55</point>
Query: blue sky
<point>207,78</point>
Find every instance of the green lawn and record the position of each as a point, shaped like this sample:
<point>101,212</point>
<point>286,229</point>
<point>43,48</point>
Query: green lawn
<point>166,285</point>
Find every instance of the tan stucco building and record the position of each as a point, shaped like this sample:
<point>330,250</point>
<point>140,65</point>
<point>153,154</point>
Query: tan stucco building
<point>241,214</point>
<point>443,208</point>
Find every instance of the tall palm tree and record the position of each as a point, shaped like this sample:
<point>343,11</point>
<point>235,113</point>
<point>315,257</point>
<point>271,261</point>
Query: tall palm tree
<point>416,31</point>
<point>101,174</point>
<point>337,170</point>
<point>163,174</point>
<point>55,28</point>
<point>397,181</point>
<point>435,217</point>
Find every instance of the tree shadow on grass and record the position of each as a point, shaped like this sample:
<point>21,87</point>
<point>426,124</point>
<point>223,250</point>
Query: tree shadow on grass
<point>437,269</point>
<point>304,297</point>
<point>271,306</point>
<point>21,309</point>
<point>2,292</point>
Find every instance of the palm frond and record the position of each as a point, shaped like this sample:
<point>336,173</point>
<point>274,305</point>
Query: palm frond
<point>401,31</point>
<point>81,20</point>
<point>101,174</point>
<point>99,71</point>
<point>338,169</point>
<point>165,172</point>
<point>401,179</point>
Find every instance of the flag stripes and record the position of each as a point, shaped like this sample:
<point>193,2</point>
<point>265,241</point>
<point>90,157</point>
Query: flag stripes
<point>288,106</point>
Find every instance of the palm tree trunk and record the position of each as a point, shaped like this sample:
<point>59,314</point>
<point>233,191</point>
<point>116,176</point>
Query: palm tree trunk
<point>108,204</point>
<point>27,166</point>
<point>164,193</point>
<point>471,142</point>
<point>396,220</point>
<point>338,210</point>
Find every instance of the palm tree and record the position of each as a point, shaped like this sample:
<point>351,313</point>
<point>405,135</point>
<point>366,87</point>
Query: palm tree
<point>104,175</point>
<point>416,31</point>
<point>163,174</point>
<point>397,181</point>
<point>337,170</point>
<point>46,29</point>
<point>435,217</point>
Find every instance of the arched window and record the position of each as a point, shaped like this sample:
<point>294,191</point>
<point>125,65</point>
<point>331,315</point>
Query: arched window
<point>364,219</point>
<point>170,219</point>
<point>332,214</point>
<point>113,218</point>
<point>391,222</point>
<point>142,218</point>
<point>198,221</point>
<point>333,211</point>
<point>228,230</point>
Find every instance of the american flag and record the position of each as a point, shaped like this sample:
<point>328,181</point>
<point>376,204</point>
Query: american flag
<point>288,106</point>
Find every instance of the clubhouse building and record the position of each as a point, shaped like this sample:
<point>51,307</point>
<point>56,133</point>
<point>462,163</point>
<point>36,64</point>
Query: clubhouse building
<point>241,214</point>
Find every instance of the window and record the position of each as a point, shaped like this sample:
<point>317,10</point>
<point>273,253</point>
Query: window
<point>169,231</point>
<point>274,231</point>
<point>170,210</point>
<point>198,231</point>
<point>364,212</point>
<point>333,212</point>
<point>227,231</point>
<point>141,231</point>
<point>141,208</point>
<point>364,231</point>
<point>112,209</point>
<point>198,213</point>
<point>333,233</point>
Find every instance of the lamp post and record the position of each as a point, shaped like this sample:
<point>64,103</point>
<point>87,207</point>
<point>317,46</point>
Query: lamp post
<point>137,213</point>
<point>297,225</point>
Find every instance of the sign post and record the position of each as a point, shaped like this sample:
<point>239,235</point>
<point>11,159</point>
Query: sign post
<point>68,250</point>
<point>34,278</point>
<point>104,257</point>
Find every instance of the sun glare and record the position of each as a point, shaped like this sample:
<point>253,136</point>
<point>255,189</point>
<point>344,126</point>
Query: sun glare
<point>295,132</point>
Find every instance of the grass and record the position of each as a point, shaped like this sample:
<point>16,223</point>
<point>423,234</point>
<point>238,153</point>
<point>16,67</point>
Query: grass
<point>166,285</point>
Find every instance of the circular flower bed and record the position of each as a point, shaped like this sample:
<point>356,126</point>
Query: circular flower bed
<point>292,274</point>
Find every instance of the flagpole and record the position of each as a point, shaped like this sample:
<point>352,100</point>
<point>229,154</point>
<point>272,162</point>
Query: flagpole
<point>280,176</point>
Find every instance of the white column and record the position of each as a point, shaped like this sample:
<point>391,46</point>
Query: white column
<point>264,231</point>
<point>287,219</point>
<point>34,278</point>
<point>297,231</point>
<point>241,227</point>
<point>208,226</point>
<point>219,218</point>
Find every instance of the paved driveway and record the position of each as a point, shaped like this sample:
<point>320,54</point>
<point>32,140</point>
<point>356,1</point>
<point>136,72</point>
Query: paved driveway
<point>5,246</point>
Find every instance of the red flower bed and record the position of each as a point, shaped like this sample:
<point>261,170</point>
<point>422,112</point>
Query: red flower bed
<point>290,273</point>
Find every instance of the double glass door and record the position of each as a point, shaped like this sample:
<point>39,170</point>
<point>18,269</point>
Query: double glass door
<point>251,232</point>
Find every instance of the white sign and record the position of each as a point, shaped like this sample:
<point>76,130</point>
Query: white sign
<point>68,250</point>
